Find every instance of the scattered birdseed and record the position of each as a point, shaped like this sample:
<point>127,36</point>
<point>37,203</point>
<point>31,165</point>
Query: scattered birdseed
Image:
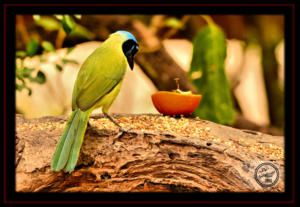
<point>40,126</point>
<point>207,129</point>
<point>186,127</point>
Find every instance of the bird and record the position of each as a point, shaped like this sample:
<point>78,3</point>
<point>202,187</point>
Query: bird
<point>97,85</point>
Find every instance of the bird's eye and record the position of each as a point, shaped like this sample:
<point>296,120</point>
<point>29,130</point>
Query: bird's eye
<point>130,46</point>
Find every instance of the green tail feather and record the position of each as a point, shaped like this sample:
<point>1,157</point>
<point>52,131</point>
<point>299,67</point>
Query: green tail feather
<point>68,147</point>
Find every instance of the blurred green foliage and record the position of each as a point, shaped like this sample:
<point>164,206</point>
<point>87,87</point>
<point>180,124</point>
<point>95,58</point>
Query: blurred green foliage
<point>46,22</point>
<point>48,46</point>
<point>31,48</point>
<point>207,73</point>
<point>25,74</point>
<point>68,24</point>
<point>173,23</point>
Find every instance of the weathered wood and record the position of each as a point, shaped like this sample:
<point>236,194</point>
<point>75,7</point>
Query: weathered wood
<point>149,161</point>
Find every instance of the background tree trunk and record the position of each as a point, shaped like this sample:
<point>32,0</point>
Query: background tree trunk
<point>219,159</point>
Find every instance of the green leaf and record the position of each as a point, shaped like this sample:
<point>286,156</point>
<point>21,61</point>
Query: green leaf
<point>27,71</point>
<point>173,23</point>
<point>19,87</point>
<point>81,31</point>
<point>208,75</point>
<point>32,48</point>
<point>36,17</point>
<point>65,61</point>
<point>58,67</point>
<point>29,90</point>
<point>70,49</point>
<point>68,24</point>
<point>19,75</point>
<point>21,54</point>
<point>42,59</point>
<point>48,23</point>
<point>59,16</point>
<point>77,16</point>
<point>48,46</point>
<point>40,78</point>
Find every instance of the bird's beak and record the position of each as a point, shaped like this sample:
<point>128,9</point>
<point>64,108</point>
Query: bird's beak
<point>130,59</point>
<point>130,55</point>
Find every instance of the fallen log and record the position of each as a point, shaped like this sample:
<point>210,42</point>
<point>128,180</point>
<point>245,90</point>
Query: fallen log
<point>158,154</point>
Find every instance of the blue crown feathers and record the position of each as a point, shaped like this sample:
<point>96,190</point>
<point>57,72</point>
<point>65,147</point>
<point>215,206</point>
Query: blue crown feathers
<point>128,34</point>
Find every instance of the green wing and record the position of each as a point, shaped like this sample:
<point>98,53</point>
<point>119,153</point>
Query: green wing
<point>99,74</point>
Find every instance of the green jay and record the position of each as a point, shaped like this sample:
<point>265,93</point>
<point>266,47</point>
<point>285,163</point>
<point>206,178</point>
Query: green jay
<point>97,85</point>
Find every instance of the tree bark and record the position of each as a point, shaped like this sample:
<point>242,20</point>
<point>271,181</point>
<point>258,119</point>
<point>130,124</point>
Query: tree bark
<point>144,160</point>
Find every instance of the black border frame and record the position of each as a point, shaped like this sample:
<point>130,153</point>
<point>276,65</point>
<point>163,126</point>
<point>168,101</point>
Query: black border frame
<point>9,194</point>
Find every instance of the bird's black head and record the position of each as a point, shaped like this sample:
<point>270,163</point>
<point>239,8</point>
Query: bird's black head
<point>130,47</point>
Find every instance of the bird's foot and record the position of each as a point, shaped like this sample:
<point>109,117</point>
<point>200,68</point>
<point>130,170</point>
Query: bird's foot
<point>121,133</point>
<point>122,130</point>
<point>125,130</point>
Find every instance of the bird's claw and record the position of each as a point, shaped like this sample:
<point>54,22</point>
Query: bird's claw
<point>125,130</point>
<point>121,132</point>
